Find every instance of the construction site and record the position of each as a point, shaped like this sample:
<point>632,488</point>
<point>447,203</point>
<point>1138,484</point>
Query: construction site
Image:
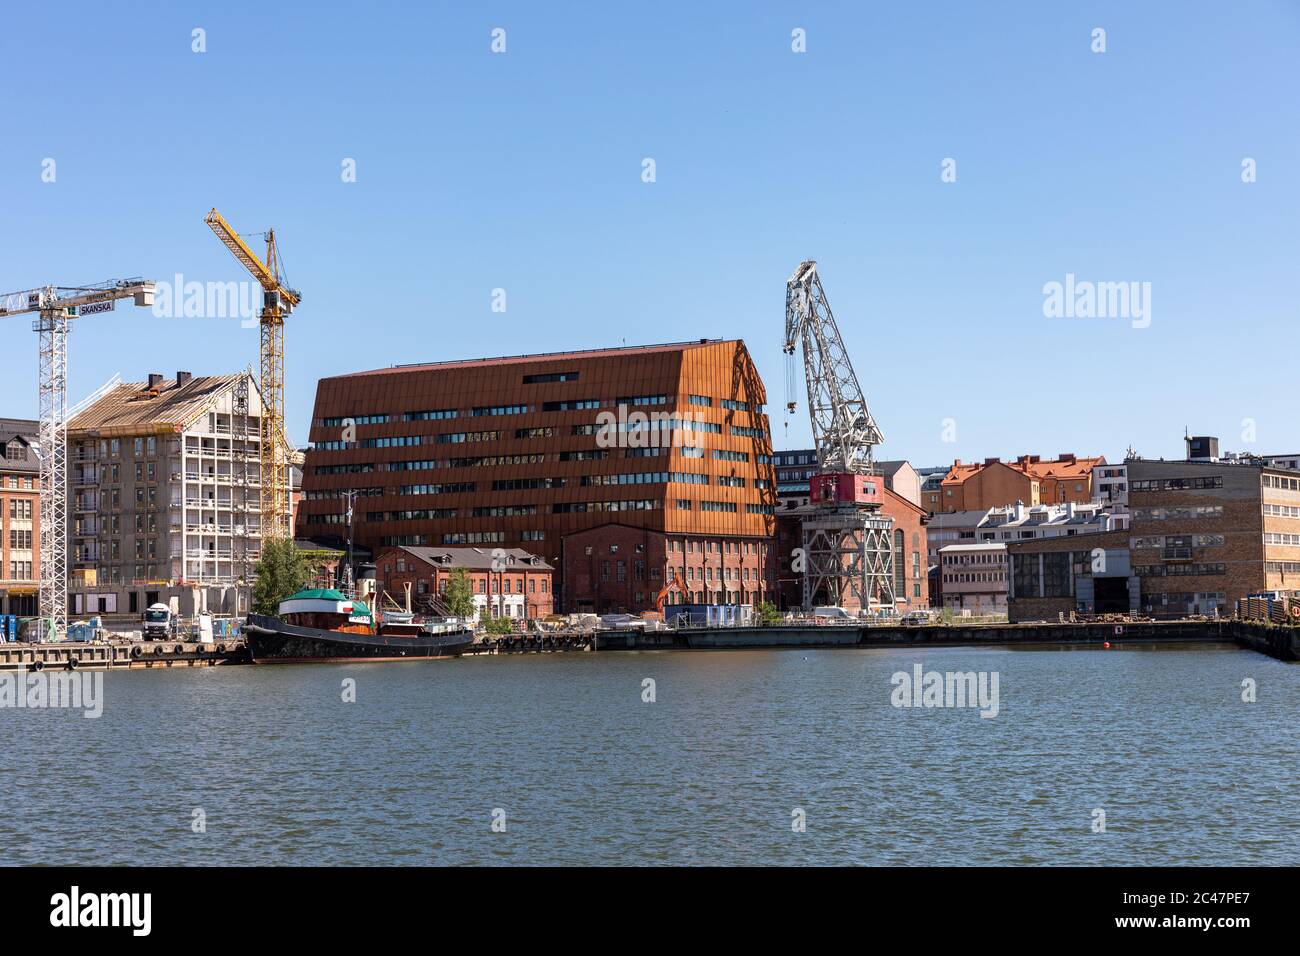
<point>156,493</point>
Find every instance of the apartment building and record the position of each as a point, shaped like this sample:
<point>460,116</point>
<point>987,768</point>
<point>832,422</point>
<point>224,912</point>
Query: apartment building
<point>995,483</point>
<point>164,482</point>
<point>1208,532</point>
<point>1110,483</point>
<point>974,578</point>
<point>505,583</point>
<point>20,516</point>
<point>525,451</point>
<point>1015,523</point>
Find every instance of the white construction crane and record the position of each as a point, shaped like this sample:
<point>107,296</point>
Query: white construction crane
<point>54,307</point>
<point>843,430</point>
<point>847,542</point>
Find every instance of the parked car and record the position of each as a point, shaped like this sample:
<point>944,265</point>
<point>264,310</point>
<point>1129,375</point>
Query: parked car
<point>829,615</point>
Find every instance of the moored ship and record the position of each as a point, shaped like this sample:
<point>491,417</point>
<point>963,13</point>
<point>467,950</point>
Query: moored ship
<point>325,625</point>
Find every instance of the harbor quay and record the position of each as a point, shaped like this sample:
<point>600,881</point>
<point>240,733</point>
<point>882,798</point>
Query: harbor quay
<point>1279,642</point>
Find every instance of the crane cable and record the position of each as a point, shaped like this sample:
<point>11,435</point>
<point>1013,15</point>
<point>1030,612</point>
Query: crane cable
<point>789,394</point>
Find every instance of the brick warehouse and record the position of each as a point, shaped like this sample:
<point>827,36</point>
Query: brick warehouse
<point>511,584</point>
<point>1208,533</point>
<point>528,451</point>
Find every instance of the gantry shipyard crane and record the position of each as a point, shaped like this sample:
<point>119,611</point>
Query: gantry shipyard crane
<point>847,542</point>
<point>55,306</point>
<point>278,300</point>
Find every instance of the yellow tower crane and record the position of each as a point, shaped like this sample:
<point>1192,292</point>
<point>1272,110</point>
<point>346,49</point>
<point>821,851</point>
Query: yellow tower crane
<point>278,300</point>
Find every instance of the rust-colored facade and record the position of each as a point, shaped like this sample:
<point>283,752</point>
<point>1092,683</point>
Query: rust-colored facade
<point>520,452</point>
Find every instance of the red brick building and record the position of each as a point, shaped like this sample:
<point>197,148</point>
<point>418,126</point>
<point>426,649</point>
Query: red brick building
<point>527,451</point>
<point>505,583</point>
<point>617,568</point>
<point>20,517</point>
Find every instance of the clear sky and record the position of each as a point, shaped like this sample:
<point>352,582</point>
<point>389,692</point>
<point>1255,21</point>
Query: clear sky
<point>523,171</point>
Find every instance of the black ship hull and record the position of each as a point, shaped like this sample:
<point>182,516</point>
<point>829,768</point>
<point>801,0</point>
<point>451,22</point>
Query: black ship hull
<point>271,641</point>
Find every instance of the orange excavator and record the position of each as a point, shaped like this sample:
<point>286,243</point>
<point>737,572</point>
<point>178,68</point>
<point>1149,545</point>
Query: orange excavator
<point>676,581</point>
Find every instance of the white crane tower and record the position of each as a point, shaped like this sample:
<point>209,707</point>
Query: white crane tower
<point>54,307</point>
<point>848,542</point>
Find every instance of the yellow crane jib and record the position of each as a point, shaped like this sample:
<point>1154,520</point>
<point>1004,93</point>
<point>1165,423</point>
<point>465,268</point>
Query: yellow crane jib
<point>278,301</point>
<point>267,275</point>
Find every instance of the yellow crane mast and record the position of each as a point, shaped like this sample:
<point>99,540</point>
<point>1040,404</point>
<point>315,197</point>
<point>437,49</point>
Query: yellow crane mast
<point>278,300</point>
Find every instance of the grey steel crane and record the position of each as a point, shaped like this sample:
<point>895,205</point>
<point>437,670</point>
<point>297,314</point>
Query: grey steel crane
<point>55,307</point>
<point>843,430</point>
<point>847,542</point>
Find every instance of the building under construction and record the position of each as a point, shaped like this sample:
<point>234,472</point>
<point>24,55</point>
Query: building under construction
<point>165,486</point>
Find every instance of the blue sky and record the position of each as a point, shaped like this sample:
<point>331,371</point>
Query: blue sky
<point>522,171</point>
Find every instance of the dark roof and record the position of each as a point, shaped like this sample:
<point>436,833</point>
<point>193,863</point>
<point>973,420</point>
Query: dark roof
<point>26,433</point>
<point>476,559</point>
<point>20,426</point>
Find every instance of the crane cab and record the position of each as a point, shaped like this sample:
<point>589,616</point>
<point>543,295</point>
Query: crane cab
<point>844,488</point>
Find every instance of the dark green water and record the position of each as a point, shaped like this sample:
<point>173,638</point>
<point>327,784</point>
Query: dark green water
<point>586,772</point>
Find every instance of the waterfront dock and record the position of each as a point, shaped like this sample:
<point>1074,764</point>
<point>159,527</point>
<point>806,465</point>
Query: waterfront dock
<point>112,656</point>
<point>1282,643</point>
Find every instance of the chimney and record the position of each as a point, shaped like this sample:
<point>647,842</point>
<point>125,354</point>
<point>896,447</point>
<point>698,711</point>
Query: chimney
<point>992,461</point>
<point>155,379</point>
<point>1066,456</point>
<point>183,378</point>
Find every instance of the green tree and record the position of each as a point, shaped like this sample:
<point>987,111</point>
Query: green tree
<point>499,625</point>
<point>283,570</point>
<point>767,613</point>
<point>459,594</point>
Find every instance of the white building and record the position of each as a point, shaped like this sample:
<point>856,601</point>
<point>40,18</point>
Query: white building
<point>973,578</point>
<point>1110,484</point>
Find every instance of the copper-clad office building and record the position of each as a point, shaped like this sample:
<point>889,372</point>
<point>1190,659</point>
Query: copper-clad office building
<point>632,470</point>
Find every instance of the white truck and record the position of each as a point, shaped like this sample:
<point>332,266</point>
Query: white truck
<point>157,622</point>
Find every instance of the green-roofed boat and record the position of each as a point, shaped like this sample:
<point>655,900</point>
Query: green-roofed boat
<point>323,624</point>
